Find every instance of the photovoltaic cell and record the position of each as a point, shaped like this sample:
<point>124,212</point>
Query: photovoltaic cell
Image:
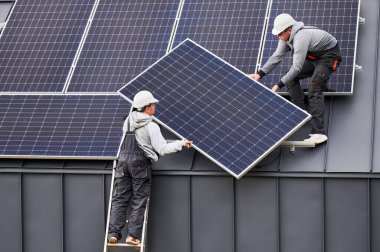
<point>230,29</point>
<point>340,18</point>
<point>39,43</point>
<point>125,38</point>
<point>232,119</point>
<point>63,126</point>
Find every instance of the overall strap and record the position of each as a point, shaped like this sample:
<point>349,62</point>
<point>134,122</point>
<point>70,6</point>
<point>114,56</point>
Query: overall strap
<point>128,124</point>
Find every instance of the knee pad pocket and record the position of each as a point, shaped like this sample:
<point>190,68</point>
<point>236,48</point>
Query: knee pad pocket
<point>319,79</point>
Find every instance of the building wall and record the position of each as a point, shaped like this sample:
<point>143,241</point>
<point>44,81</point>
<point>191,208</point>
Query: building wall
<point>53,205</point>
<point>45,208</point>
<point>264,213</point>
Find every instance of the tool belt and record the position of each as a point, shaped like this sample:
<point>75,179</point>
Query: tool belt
<point>333,53</point>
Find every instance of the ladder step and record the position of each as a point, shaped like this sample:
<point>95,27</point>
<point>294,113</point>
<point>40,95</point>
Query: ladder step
<point>122,245</point>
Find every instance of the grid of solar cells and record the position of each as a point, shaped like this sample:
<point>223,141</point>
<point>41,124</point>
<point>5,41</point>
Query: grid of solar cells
<point>39,43</point>
<point>61,125</point>
<point>230,29</point>
<point>340,18</point>
<point>232,119</point>
<point>125,38</point>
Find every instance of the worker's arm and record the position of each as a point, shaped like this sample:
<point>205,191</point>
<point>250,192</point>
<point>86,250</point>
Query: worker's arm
<point>301,45</point>
<point>159,143</point>
<point>273,61</point>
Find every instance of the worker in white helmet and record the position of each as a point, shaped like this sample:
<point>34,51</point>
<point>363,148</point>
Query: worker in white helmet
<point>316,54</point>
<point>142,145</point>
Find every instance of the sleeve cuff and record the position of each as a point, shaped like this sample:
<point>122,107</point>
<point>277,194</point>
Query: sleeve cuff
<point>261,73</point>
<point>280,84</point>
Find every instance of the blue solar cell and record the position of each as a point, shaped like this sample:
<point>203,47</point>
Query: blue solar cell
<point>61,126</point>
<point>230,29</point>
<point>232,119</point>
<point>340,18</point>
<point>125,38</point>
<point>39,43</point>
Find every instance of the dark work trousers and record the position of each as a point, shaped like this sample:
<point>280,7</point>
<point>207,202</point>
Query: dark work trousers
<point>320,71</point>
<point>132,185</point>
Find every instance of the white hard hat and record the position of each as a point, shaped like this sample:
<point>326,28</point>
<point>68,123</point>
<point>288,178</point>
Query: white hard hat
<point>282,22</point>
<point>142,99</point>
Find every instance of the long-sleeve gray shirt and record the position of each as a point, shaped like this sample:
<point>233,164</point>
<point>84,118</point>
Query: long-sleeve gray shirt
<point>149,137</point>
<point>303,39</point>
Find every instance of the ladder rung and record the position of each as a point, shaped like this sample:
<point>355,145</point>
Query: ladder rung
<point>122,245</point>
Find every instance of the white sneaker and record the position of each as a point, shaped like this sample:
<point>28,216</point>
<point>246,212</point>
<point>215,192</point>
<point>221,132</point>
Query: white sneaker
<point>317,138</point>
<point>112,240</point>
<point>133,241</point>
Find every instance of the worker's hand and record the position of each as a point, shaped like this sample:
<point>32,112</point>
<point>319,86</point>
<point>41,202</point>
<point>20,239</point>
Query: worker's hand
<point>275,88</point>
<point>187,143</point>
<point>256,77</point>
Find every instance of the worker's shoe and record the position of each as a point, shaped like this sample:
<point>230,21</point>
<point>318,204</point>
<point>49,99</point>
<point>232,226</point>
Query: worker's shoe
<point>316,138</point>
<point>112,240</point>
<point>133,241</point>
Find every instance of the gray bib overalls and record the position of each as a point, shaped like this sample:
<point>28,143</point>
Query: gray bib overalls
<point>132,186</point>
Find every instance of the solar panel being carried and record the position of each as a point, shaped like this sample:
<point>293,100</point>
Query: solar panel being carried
<point>61,126</point>
<point>231,29</point>
<point>39,43</point>
<point>340,18</point>
<point>232,119</point>
<point>125,38</point>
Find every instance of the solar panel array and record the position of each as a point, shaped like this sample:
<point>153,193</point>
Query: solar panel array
<point>340,18</point>
<point>61,125</point>
<point>96,46</point>
<point>39,43</point>
<point>230,29</point>
<point>47,35</point>
<point>125,38</point>
<point>232,119</point>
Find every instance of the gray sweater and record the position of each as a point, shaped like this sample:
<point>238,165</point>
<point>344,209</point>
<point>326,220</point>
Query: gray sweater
<point>149,137</point>
<point>301,42</point>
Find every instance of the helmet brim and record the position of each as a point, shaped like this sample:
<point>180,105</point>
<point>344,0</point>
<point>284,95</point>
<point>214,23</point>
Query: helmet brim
<point>276,32</point>
<point>150,102</point>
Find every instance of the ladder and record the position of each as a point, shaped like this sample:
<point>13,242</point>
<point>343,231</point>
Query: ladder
<point>109,246</point>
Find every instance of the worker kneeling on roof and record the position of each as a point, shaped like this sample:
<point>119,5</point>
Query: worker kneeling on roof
<point>143,143</point>
<point>316,54</point>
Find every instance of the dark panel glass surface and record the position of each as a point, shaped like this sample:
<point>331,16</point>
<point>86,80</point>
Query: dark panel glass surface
<point>232,119</point>
<point>340,18</point>
<point>125,38</point>
<point>230,29</point>
<point>39,43</point>
<point>62,126</point>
